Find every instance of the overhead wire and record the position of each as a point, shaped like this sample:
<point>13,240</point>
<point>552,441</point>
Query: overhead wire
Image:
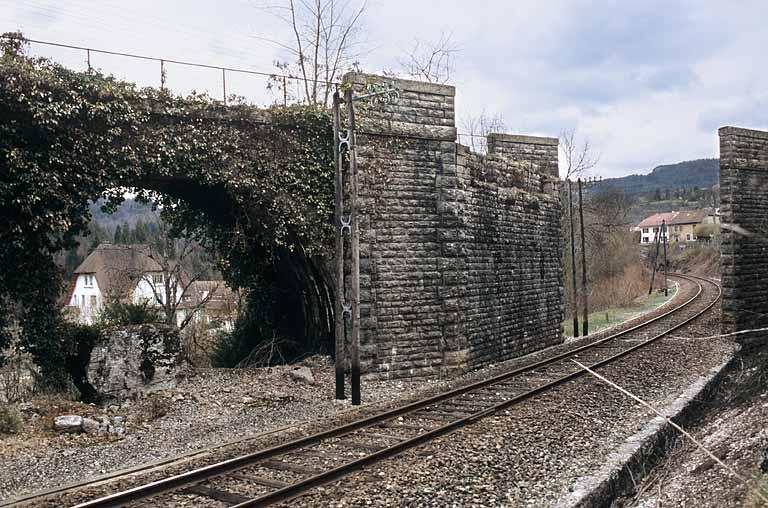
<point>192,64</point>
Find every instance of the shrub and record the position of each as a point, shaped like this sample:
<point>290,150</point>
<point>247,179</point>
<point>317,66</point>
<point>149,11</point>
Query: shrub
<point>77,341</point>
<point>10,420</point>
<point>253,341</point>
<point>19,377</point>
<point>122,314</point>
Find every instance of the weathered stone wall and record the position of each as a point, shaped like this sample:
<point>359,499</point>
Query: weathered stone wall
<point>744,206</point>
<point>460,254</point>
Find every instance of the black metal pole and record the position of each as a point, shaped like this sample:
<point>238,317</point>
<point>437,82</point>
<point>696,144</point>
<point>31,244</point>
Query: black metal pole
<point>584,287</point>
<point>575,305</point>
<point>339,206</point>
<point>355,276</point>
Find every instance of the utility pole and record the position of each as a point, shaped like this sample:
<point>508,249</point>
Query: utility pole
<point>575,305</point>
<point>355,278</point>
<point>376,93</point>
<point>664,232</point>
<point>655,259</point>
<point>339,202</point>
<point>584,286</point>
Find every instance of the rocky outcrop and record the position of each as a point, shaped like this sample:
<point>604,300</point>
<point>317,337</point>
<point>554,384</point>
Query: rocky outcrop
<point>133,361</point>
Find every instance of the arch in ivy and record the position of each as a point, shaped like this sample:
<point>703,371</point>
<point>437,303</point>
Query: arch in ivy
<point>255,185</point>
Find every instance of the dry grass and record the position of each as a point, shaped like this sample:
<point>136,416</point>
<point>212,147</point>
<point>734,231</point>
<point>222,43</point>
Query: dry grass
<point>10,420</point>
<point>154,407</point>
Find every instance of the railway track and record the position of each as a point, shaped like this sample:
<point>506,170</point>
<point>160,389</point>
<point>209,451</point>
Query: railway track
<point>286,471</point>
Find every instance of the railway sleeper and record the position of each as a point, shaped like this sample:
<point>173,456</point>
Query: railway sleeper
<point>281,465</point>
<point>264,482</point>
<point>217,494</point>
<point>358,445</point>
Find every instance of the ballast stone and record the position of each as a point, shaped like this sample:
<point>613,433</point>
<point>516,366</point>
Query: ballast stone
<point>68,423</point>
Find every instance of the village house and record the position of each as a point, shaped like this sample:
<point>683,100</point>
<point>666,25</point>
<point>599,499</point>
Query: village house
<point>682,227</point>
<point>214,303</point>
<point>129,274</point>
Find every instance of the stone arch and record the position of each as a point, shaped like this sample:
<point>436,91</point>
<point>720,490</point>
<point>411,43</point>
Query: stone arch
<point>255,183</point>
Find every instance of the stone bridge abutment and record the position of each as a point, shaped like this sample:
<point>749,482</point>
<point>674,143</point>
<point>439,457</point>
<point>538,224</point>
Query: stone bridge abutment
<point>460,251</point>
<point>744,218</point>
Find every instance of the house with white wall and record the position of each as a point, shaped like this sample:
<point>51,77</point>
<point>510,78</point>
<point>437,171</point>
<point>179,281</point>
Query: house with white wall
<point>681,226</point>
<point>116,273</point>
<point>132,274</point>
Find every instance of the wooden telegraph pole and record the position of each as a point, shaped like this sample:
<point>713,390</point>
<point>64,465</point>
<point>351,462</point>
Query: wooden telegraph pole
<point>575,305</point>
<point>355,276</point>
<point>664,232</point>
<point>339,197</point>
<point>584,287</point>
<point>655,260</point>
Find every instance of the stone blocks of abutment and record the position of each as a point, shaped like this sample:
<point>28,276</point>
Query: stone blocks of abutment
<point>744,218</point>
<point>461,249</point>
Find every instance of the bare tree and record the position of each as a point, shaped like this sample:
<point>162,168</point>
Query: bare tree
<point>577,157</point>
<point>173,285</point>
<point>325,40</point>
<point>431,61</point>
<point>477,128</point>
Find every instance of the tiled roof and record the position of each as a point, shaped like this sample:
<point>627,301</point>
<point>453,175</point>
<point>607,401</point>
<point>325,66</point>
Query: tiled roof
<point>691,217</point>
<point>656,219</point>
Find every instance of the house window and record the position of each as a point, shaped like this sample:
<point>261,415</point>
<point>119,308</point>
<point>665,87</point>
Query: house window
<point>82,301</point>
<point>157,278</point>
<point>93,301</point>
<point>645,231</point>
<point>688,237</point>
<point>89,280</point>
<point>645,239</point>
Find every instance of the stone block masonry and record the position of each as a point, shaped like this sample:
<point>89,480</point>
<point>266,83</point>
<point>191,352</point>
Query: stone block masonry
<point>460,252</point>
<point>744,209</point>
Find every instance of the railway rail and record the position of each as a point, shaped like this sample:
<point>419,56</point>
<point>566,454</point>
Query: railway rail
<point>288,470</point>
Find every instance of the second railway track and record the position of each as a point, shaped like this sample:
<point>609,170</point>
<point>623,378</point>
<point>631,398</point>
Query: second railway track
<point>290,469</point>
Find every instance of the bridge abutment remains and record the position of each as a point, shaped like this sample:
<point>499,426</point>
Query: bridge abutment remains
<point>744,209</point>
<point>460,252</point>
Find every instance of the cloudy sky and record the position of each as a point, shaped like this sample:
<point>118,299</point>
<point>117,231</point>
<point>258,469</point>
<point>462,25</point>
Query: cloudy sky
<point>646,82</point>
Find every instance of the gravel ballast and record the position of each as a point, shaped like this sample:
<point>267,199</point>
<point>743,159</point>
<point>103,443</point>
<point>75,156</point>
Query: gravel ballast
<point>532,455</point>
<point>481,466</point>
<point>210,407</point>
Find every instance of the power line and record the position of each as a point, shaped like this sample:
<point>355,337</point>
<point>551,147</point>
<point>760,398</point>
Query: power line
<point>172,61</point>
<point>164,61</point>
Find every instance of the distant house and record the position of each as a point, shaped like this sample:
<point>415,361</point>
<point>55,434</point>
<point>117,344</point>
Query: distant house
<point>215,302</point>
<point>129,274</point>
<point>681,226</point>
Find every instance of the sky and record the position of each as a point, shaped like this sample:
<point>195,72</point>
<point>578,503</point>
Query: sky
<point>645,82</point>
